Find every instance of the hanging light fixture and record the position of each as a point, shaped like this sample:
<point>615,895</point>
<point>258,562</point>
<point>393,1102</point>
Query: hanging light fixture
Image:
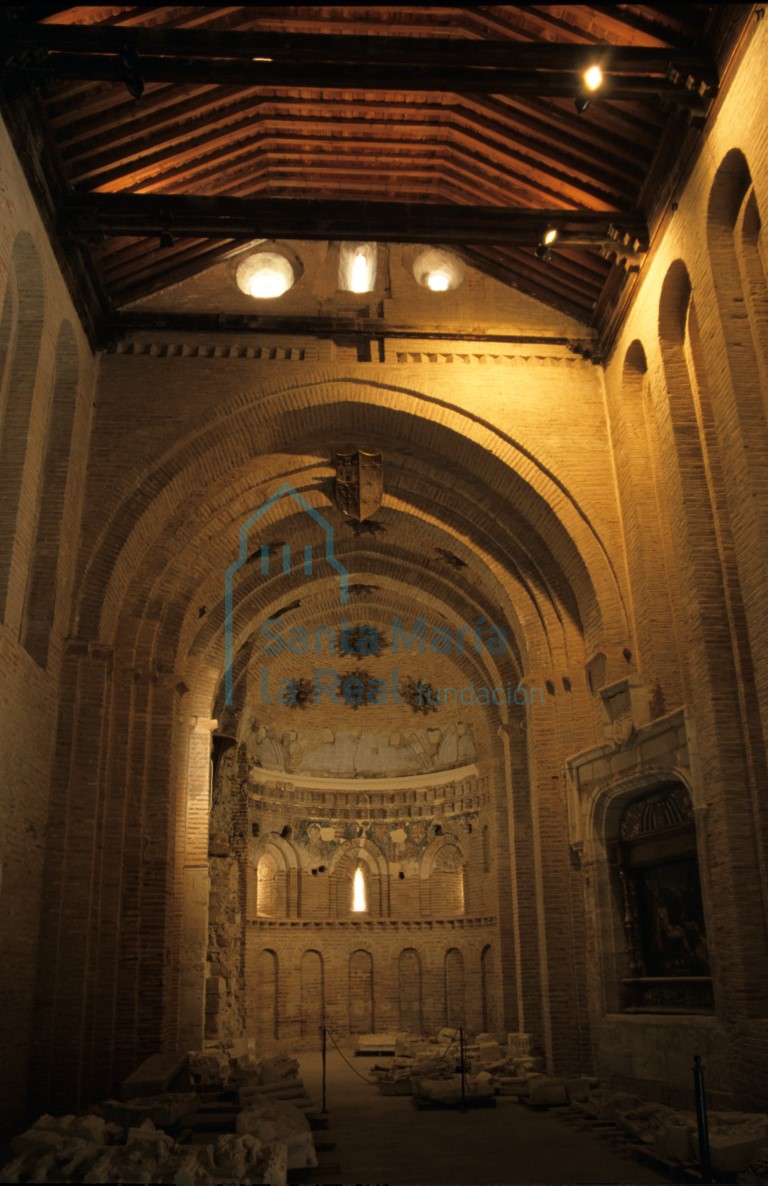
<point>438,270</point>
<point>546,239</point>
<point>357,267</point>
<point>592,80</point>
<point>265,275</point>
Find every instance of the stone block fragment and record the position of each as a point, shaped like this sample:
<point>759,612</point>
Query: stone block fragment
<point>673,1142</point>
<point>548,1093</point>
<point>519,1045</point>
<point>578,1090</point>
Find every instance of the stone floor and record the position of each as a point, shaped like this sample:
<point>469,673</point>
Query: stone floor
<point>385,1139</point>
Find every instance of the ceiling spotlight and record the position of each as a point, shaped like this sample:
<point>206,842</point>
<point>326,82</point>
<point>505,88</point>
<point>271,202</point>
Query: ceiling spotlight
<point>357,267</point>
<point>546,239</point>
<point>265,275</point>
<point>592,80</point>
<point>438,270</point>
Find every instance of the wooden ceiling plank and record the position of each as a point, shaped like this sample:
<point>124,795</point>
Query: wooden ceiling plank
<point>533,186</point>
<point>550,276</point>
<point>579,137</point>
<point>647,21</point>
<point>222,166</point>
<point>578,310</point>
<point>166,108</point>
<point>569,162</point>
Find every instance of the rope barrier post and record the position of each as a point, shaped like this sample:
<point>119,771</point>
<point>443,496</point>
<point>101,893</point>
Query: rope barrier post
<point>324,1056</point>
<point>701,1117</point>
<point>461,1068</point>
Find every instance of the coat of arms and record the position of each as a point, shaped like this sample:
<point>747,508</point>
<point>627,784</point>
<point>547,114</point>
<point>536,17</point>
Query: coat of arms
<point>359,483</point>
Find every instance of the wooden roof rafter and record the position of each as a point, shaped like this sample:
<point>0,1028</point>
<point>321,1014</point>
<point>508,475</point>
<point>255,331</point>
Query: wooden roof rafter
<point>369,131</point>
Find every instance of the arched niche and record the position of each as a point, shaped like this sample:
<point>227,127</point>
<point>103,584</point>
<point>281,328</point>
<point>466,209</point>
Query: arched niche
<point>43,589</point>
<point>443,867</point>
<point>454,988</point>
<point>653,857</point>
<point>361,1014</point>
<point>312,997</point>
<point>409,978</point>
<point>271,885</point>
<point>20,383</point>
<point>364,863</point>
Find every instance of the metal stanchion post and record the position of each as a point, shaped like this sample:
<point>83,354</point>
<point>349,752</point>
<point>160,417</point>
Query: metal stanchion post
<point>324,1039</point>
<point>463,1084</point>
<point>701,1117</point>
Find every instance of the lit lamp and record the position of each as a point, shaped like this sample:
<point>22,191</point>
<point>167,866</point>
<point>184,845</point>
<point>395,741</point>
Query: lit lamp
<point>357,267</point>
<point>438,270</point>
<point>265,275</point>
<point>592,80</point>
<point>544,249</point>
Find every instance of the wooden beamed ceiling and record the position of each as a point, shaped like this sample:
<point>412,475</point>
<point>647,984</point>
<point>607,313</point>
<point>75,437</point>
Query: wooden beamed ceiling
<point>163,139</point>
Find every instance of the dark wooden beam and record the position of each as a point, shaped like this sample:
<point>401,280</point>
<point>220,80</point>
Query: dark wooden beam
<point>325,76</point>
<point>150,215</point>
<point>119,326</point>
<point>36,54</point>
<point>317,48</point>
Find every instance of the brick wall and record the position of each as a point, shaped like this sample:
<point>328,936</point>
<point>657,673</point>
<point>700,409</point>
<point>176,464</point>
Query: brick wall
<point>46,382</point>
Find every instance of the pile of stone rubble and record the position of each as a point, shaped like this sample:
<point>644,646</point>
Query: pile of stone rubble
<point>127,1141</point>
<point>426,1067</point>
<point>421,1064</point>
<point>738,1141</point>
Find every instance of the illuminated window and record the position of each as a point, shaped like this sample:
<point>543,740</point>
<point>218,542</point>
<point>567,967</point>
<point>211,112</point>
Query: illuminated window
<point>265,275</point>
<point>438,270</point>
<point>359,894</point>
<point>357,267</point>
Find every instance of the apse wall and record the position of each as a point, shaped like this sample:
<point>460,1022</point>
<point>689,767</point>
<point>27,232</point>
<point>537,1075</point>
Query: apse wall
<point>358,904</point>
<point>46,384</point>
<point>687,401</point>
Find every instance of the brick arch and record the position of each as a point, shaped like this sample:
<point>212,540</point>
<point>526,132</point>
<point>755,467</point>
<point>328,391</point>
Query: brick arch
<point>635,361</point>
<point>613,796</point>
<point>194,465</point>
<point>452,835</point>
<point>26,277</point>
<point>645,512</point>
<point>730,186</point>
<point>535,629</point>
<point>168,582</point>
<point>347,857</point>
<point>273,843</point>
<point>346,860</point>
<point>8,323</point>
<point>673,304</point>
<point>45,571</point>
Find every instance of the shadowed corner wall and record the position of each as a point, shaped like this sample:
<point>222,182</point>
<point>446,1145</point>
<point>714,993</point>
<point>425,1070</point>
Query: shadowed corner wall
<point>47,378</point>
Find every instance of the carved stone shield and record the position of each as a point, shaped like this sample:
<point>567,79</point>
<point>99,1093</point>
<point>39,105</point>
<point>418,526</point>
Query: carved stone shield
<point>359,483</point>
